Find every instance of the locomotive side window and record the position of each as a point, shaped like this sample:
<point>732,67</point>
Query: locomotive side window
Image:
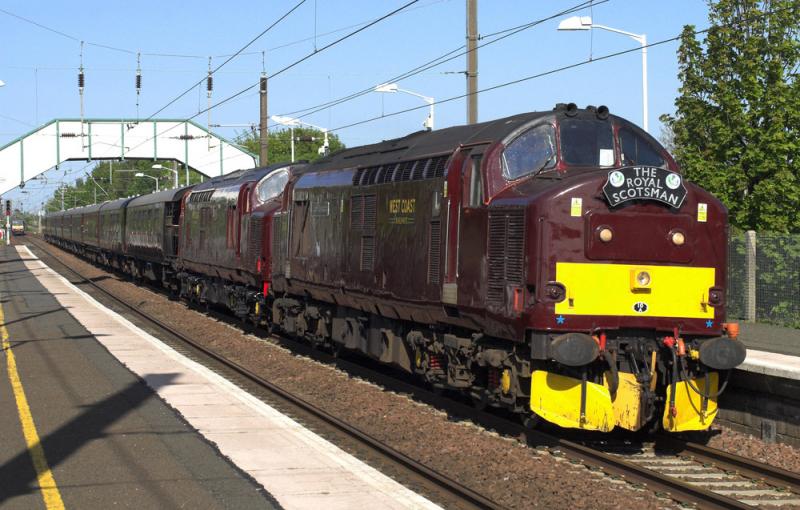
<point>272,185</point>
<point>586,142</point>
<point>475,183</point>
<point>531,152</point>
<point>638,151</point>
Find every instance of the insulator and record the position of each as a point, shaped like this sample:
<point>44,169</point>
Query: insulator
<point>210,83</point>
<point>263,84</point>
<point>81,80</point>
<point>138,81</point>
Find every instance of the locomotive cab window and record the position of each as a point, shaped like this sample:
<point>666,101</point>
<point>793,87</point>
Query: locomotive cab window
<point>475,198</point>
<point>529,153</point>
<point>272,185</point>
<point>636,150</point>
<point>586,142</point>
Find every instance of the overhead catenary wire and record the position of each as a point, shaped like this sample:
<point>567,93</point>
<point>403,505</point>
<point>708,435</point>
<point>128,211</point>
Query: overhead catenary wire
<point>556,70</point>
<point>254,39</point>
<point>444,58</point>
<point>190,56</point>
<point>282,70</point>
<point>285,68</point>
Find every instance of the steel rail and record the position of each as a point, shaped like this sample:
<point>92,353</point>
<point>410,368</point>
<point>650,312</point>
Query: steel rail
<point>611,464</point>
<point>453,487</point>
<point>754,469</point>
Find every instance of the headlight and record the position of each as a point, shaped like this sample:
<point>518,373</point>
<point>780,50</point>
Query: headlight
<point>678,238</point>
<point>640,280</point>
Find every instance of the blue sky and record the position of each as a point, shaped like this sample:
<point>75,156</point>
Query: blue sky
<point>39,67</point>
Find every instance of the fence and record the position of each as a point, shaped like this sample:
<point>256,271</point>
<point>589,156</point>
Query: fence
<point>764,277</point>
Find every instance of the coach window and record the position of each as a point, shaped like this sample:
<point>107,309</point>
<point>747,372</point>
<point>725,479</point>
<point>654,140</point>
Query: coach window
<point>272,185</point>
<point>529,153</point>
<point>636,150</point>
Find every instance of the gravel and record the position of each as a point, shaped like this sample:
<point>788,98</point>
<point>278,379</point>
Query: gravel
<point>775,454</point>
<point>510,473</point>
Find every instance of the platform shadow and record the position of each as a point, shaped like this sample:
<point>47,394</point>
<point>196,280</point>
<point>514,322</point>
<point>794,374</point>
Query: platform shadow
<point>18,476</point>
<point>33,316</point>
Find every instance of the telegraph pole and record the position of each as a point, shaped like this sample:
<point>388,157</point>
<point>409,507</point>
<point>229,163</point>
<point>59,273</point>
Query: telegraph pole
<point>264,134</point>
<point>472,61</point>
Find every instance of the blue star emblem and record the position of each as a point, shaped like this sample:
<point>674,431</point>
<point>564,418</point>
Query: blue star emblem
<point>709,324</point>
<point>560,319</point>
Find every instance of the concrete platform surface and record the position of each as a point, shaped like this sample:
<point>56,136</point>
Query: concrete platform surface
<point>770,338</point>
<point>79,430</point>
<point>299,468</point>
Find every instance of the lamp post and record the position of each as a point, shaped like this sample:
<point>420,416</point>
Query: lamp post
<point>392,88</point>
<point>140,174</point>
<point>291,122</point>
<point>585,23</point>
<point>174,170</point>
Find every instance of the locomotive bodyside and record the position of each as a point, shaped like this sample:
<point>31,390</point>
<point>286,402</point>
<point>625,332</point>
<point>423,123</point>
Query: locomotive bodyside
<point>224,246</point>
<point>558,264</point>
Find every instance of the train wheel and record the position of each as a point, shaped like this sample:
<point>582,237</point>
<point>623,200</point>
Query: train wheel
<point>530,421</point>
<point>479,402</point>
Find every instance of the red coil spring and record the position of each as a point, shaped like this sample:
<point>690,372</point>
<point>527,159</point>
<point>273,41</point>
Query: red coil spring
<point>435,362</point>
<point>493,378</point>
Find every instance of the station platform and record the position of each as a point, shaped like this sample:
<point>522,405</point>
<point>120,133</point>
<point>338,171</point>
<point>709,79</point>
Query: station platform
<point>771,350</point>
<point>98,413</point>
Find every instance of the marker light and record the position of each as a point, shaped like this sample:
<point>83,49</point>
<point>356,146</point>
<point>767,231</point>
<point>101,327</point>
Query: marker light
<point>678,238</point>
<point>606,235</point>
<point>643,278</point>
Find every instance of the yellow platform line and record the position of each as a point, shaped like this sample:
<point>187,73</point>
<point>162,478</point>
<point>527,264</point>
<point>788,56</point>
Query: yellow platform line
<point>44,477</point>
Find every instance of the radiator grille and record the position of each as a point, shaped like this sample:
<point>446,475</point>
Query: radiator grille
<point>363,212</point>
<point>279,242</point>
<point>370,212</point>
<point>506,253</point>
<point>254,238</point>
<point>367,253</point>
<point>434,251</point>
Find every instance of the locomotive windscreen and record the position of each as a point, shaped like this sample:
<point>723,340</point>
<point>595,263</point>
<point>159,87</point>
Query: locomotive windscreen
<point>586,142</point>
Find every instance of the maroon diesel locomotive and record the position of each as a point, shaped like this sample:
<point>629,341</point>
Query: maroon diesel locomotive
<point>553,263</point>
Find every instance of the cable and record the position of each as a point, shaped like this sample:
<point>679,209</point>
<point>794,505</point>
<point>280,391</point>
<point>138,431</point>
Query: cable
<point>284,69</point>
<point>446,57</point>
<point>189,56</point>
<point>254,39</point>
<point>517,81</point>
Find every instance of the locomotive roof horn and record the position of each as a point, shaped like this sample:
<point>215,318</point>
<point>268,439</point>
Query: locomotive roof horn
<point>602,112</point>
<point>572,110</point>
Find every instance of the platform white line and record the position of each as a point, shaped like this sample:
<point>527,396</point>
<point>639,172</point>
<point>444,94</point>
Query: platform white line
<point>298,467</point>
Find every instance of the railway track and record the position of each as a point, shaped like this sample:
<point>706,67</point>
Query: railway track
<point>687,472</point>
<point>445,490</point>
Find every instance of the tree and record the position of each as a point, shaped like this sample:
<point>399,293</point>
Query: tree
<point>107,181</point>
<point>306,145</point>
<point>737,123</point>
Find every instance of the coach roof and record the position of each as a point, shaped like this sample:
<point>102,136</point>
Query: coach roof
<point>169,195</point>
